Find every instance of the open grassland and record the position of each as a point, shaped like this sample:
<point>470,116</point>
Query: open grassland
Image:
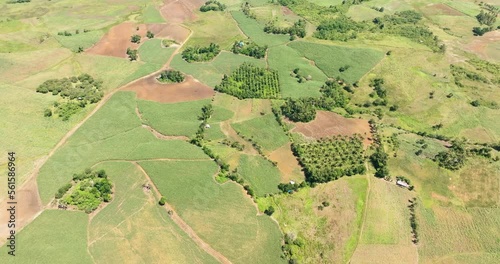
<point>152,52</point>
<point>285,59</point>
<point>214,27</point>
<point>330,58</point>
<point>150,14</point>
<point>83,40</point>
<point>254,30</point>
<point>386,226</point>
<point>243,109</point>
<point>102,138</point>
<point>134,220</point>
<point>260,174</point>
<point>459,235</point>
<point>264,130</point>
<point>363,13</point>
<point>329,234</point>
<point>211,73</point>
<point>222,215</point>
<point>179,119</point>
<point>53,237</point>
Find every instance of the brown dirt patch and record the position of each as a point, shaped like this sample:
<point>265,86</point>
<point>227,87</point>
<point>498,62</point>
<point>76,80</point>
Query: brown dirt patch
<point>479,45</point>
<point>175,11</point>
<point>169,31</point>
<point>286,11</point>
<point>27,207</point>
<point>287,164</point>
<point>189,90</point>
<point>442,9</point>
<point>117,40</point>
<point>327,124</point>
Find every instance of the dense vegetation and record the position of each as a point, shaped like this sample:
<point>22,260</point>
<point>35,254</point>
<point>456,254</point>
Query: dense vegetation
<point>90,189</point>
<point>298,29</point>
<point>171,76</point>
<point>132,54</point>
<point>303,109</point>
<point>191,54</point>
<point>135,39</point>
<point>250,81</point>
<point>454,158</point>
<point>331,158</point>
<point>212,5</point>
<point>249,48</point>
<point>459,73</point>
<point>341,28</point>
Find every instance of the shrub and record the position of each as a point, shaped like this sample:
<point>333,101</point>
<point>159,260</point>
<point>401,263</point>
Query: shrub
<point>162,201</point>
<point>249,48</point>
<point>196,53</point>
<point>171,76</point>
<point>135,39</point>
<point>212,5</point>
<point>132,54</point>
<point>150,34</point>
<point>269,211</point>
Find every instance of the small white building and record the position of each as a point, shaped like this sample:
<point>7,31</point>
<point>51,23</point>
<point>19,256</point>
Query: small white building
<point>402,184</point>
<point>207,126</point>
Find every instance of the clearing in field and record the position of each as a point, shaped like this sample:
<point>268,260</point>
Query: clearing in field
<point>328,124</point>
<point>287,163</point>
<point>331,58</point>
<point>188,90</point>
<point>222,215</point>
<point>117,40</point>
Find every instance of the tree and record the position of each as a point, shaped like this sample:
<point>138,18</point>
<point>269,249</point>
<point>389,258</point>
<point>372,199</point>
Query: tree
<point>269,211</point>
<point>47,113</point>
<point>487,18</point>
<point>135,39</point>
<point>150,34</point>
<point>162,201</point>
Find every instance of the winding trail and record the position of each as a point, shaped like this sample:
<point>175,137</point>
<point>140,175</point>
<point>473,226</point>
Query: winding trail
<point>184,226</point>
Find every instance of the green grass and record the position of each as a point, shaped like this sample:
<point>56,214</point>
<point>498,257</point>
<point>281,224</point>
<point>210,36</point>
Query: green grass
<point>150,14</point>
<point>254,30</point>
<point>466,7</point>
<point>264,130</point>
<point>260,174</point>
<point>207,29</point>
<point>102,138</point>
<point>330,58</point>
<point>178,119</point>
<point>326,2</point>
<point>211,73</point>
<point>133,217</point>
<point>7,46</point>
<point>363,13</point>
<point>61,237</point>
<point>152,52</point>
<point>220,214</point>
<point>84,40</point>
<point>285,59</point>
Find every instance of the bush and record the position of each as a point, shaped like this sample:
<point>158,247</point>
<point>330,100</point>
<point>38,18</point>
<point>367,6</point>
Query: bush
<point>132,54</point>
<point>196,53</point>
<point>298,29</point>
<point>47,113</point>
<point>162,201</point>
<point>212,5</point>
<point>171,76</point>
<point>249,48</point>
<point>150,34</point>
<point>135,39</point>
<point>269,211</point>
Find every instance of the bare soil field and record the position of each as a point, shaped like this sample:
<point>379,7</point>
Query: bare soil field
<point>27,207</point>
<point>287,164</point>
<point>327,124</point>
<point>169,31</point>
<point>480,45</point>
<point>189,90</point>
<point>117,40</point>
<point>175,11</point>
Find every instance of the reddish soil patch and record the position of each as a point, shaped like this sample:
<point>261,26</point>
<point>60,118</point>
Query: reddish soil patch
<point>189,90</point>
<point>175,11</point>
<point>442,9</point>
<point>169,31</point>
<point>327,124</point>
<point>286,11</point>
<point>117,40</point>
<point>27,207</point>
<point>480,44</point>
<point>287,164</point>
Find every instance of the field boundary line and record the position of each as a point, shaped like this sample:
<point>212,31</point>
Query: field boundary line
<point>184,226</point>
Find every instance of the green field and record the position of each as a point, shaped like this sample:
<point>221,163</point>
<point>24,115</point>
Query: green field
<point>207,29</point>
<point>330,58</point>
<point>53,230</point>
<point>220,214</point>
<point>177,119</point>
<point>150,14</point>
<point>260,174</point>
<point>84,40</point>
<point>254,30</point>
<point>264,130</point>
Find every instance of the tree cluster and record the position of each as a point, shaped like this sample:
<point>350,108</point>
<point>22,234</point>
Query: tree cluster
<point>249,48</point>
<point>379,161</point>
<point>171,76</point>
<point>132,54</point>
<point>454,158</point>
<point>233,144</point>
<point>413,220</point>
<point>298,29</point>
<point>196,53</point>
<point>341,28</point>
<point>459,73</point>
<point>18,1</point>
<point>246,9</point>
<point>328,159</point>
<point>487,18</point>
<point>250,81</point>
<point>150,34</point>
<point>212,5</point>
<point>135,39</point>
<point>90,189</point>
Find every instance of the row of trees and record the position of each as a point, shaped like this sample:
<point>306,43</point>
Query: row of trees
<point>250,81</point>
<point>212,5</point>
<point>196,53</point>
<point>171,76</point>
<point>246,9</point>
<point>249,48</point>
<point>298,29</point>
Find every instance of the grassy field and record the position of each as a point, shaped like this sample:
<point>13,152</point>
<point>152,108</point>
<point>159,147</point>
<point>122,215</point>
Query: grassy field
<point>211,73</point>
<point>261,175</point>
<point>222,215</point>
<point>102,138</point>
<point>207,29</point>
<point>150,14</point>
<point>329,234</point>
<point>134,218</point>
<point>151,52</point>
<point>330,58</point>
<point>84,40</point>
<point>52,231</point>
<point>264,130</point>
<point>178,119</point>
<point>254,30</point>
